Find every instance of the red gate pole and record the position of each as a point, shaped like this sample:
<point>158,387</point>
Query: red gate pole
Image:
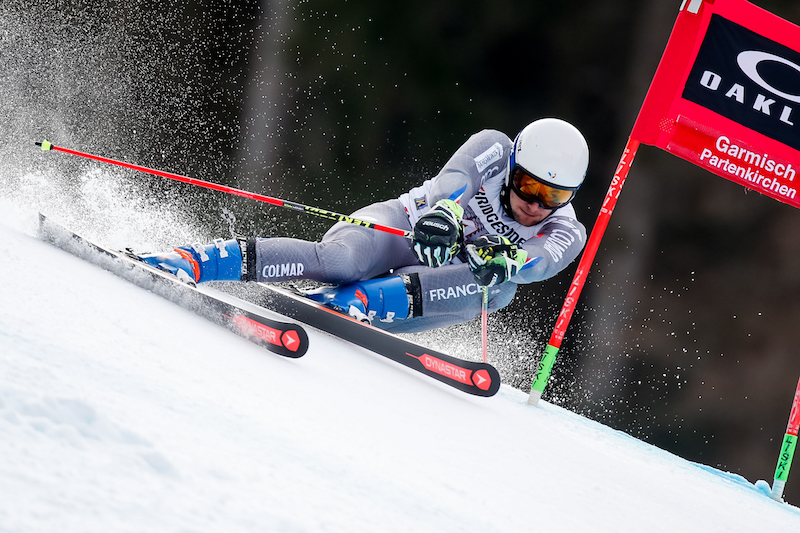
<point>578,281</point>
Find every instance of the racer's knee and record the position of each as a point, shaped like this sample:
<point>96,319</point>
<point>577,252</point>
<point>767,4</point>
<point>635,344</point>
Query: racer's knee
<point>341,262</point>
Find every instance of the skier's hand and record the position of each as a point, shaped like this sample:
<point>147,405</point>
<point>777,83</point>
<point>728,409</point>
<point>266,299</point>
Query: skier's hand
<point>438,233</point>
<point>494,259</point>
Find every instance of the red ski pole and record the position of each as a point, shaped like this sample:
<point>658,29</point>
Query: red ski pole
<point>316,211</point>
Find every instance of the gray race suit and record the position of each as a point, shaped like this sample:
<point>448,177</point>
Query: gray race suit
<point>474,177</point>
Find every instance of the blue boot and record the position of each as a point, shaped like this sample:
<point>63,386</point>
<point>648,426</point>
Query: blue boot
<point>387,298</point>
<point>218,261</point>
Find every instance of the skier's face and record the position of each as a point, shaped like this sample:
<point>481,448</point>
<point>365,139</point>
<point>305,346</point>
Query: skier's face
<point>527,214</point>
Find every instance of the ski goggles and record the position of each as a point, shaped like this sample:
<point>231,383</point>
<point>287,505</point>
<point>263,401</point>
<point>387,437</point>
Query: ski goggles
<point>531,189</point>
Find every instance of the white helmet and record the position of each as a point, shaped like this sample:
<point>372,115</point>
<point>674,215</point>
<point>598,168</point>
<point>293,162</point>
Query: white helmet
<point>553,150</point>
<point>555,154</point>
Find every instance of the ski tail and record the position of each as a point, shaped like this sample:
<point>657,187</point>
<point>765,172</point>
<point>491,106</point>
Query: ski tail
<point>247,320</point>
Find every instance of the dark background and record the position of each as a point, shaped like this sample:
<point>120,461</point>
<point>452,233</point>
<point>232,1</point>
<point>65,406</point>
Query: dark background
<point>686,334</point>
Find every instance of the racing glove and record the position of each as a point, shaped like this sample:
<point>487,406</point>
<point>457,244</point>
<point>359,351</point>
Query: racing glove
<point>494,259</point>
<point>438,233</point>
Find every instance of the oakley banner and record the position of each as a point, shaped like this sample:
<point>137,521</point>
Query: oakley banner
<point>726,96</point>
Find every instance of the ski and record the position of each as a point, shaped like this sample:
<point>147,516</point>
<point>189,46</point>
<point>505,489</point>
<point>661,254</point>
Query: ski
<point>240,317</point>
<point>473,377</point>
<point>243,309</point>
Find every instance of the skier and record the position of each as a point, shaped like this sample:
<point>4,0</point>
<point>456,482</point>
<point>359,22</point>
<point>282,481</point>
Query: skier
<point>498,214</point>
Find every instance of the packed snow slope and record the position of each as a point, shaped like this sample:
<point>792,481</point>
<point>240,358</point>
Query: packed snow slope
<point>120,411</point>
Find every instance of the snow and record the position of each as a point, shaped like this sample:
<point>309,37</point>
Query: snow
<point>120,411</point>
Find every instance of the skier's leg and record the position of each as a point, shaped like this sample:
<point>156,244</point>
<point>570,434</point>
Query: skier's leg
<point>448,295</point>
<point>347,252</point>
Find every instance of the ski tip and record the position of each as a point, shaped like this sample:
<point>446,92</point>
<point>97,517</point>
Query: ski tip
<point>45,145</point>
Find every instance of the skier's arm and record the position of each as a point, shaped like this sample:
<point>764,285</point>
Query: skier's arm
<point>559,243</point>
<point>462,176</point>
<point>438,233</point>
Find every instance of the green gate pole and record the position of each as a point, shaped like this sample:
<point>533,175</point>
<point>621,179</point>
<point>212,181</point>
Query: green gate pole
<point>787,448</point>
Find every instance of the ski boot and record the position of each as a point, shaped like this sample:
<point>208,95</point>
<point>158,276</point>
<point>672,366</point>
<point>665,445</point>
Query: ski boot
<point>218,261</point>
<point>387,299</point>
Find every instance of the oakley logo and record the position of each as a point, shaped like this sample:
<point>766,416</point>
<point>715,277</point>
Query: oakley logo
<point>712,81</point>
<point>747,78</point>
<point>748,61</point>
